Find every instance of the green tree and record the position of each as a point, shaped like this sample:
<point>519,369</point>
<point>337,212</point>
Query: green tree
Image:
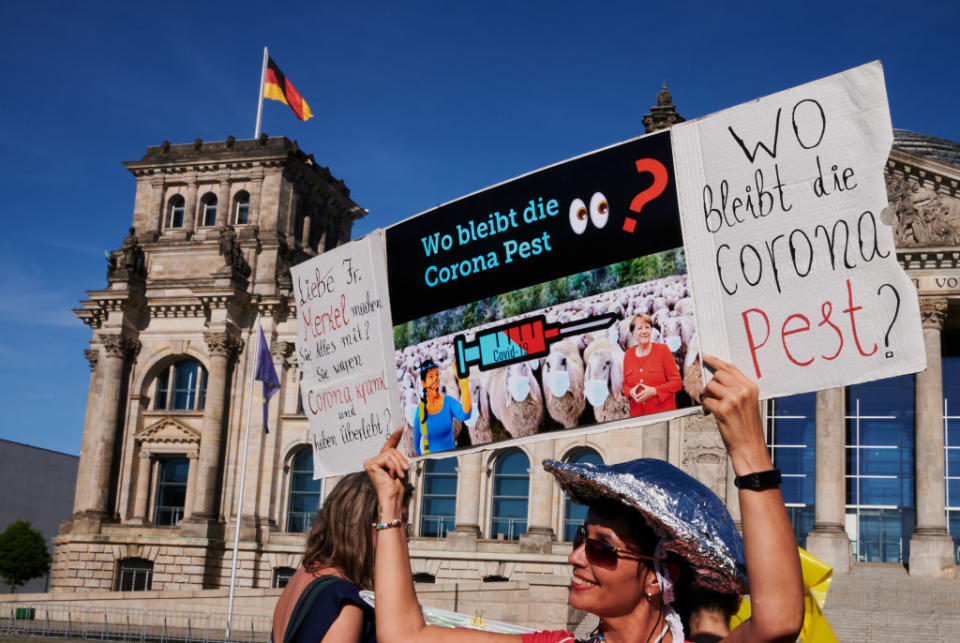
<point>23,554</point>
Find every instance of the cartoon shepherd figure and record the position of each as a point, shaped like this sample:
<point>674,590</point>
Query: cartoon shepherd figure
<point>433,425</point>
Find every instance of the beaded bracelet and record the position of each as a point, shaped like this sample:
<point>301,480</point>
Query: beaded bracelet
<point>397,522</point>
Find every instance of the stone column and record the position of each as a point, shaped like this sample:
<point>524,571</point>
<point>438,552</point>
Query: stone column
<point>140,502</point>
<point>103,426</point>
<point>223,203</point>
<point>221,347</point>
<point>191,485</point>
<point>467,518</point>
<point>931,548</point>
<point>190,206</point>
<point>828,539</point>
<point>157,206</point>
<point>539,536</point>
<point>89,434</point>
<point>655,440</point>
<point>256,187</point>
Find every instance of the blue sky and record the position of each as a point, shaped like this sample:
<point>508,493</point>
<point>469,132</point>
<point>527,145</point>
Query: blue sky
<point>416,103</point>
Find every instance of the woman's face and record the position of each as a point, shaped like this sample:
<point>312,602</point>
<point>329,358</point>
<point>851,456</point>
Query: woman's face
<point>432,380</point>
<point>642,332</point>
<point>609,592</point>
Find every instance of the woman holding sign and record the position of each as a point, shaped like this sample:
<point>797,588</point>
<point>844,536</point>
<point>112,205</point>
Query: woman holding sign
<point>433,424</point>
<point>652,534</point>
<point>650,374</point>
<point>321,601</point>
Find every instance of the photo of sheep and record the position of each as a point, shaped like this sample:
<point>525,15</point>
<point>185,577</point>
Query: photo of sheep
<point>580,383</point>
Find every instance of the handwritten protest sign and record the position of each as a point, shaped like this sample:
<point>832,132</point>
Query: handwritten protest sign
<point>563,300</point>
<point>795,277</point>
<point>343,349</point>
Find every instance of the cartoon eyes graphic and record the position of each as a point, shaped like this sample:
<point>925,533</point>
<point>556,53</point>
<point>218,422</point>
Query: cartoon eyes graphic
<point>599,212</point>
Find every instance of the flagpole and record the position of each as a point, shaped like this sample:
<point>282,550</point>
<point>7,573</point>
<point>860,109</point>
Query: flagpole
<point>263,77</point>
<point>243,470</point>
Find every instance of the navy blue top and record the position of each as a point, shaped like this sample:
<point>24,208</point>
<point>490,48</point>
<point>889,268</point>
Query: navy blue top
<point>326,608</point>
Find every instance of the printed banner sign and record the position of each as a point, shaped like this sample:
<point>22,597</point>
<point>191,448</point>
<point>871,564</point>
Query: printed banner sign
<point>781,202</point>
<point>343,349</point>
<point>577,298</point>
<point>519,309</point>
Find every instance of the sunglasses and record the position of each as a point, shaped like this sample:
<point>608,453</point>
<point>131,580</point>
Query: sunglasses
<point>600,553</point>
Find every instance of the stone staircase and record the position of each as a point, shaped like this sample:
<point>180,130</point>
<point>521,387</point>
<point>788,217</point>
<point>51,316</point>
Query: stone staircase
<point>881,602</point>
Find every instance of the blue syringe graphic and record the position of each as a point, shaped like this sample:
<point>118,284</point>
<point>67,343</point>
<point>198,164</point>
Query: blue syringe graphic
<point>520,340</point>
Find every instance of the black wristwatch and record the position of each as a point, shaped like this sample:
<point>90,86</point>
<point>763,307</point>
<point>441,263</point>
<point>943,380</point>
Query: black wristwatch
<point>759,480</point>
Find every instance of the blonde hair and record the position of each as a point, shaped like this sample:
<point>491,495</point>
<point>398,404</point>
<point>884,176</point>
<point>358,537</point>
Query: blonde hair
<point>642,317</point>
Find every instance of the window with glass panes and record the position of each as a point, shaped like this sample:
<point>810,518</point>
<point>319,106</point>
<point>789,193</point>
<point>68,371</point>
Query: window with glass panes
<point>575,514</point>
<point>951,446</point>
<point>134,575</point>
<point>880,473</point>
<point>208,206</point>
<point>511,490</point>
<point>171,491</point>
<point>439,497</point>
<point>791,434</point>
<point>242,208</point>
<point>305,493</point>
<point>175,212</point>
<point>181,387</point>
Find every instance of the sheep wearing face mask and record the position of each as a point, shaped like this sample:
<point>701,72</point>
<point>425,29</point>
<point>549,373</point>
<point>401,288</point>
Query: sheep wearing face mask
<point>563,384</point>
<point>516,400</point>
<point>478,424</point>
<point>409,401</point>
<point>692,376</point>
<point>603,380</point>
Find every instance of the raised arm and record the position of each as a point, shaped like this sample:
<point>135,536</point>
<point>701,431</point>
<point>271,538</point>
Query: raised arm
<point>399,619</point>
<point>770,549</point>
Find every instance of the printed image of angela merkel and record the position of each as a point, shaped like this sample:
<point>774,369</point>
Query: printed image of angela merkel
<point>433,424</point>
<point>650,373</point>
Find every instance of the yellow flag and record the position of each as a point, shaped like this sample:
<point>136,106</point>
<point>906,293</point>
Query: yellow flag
<point>816,581</point>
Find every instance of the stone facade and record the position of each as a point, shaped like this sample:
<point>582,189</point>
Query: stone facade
<point>216,227</point>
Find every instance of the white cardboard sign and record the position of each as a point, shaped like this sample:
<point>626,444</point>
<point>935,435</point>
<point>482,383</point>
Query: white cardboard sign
<point>344,345</point>
<point>794,276</point>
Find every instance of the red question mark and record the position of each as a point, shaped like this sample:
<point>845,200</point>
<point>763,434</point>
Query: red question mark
<point>660,177</point>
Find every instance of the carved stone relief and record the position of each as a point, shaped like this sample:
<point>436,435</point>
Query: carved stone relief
<point>703,455</point>
<point>923,217</point>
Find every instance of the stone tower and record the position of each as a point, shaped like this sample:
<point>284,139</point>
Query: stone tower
<point>216,227</point>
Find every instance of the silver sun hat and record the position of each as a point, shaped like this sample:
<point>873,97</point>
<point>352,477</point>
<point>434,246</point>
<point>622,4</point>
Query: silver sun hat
<point>690,519</point>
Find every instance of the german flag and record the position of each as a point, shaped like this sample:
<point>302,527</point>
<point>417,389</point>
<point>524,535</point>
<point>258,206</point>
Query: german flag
<point>278,87</point>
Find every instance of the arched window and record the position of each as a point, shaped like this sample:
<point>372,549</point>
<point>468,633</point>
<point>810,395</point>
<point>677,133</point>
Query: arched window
<point>171,491</point>
<point>134,575</point>
<point>439,497</point>
<point>208,209</point>
<point>241,207</point>
<point>574,514</point>
<point>175,211</point>
<point>511,489</point>
<point>304,493</point>
<point>181,387</point>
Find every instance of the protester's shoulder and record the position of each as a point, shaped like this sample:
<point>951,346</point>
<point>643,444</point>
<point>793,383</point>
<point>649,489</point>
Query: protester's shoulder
<point>342,587</point>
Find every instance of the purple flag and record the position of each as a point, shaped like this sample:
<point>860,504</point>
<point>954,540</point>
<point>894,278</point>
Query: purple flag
<point>267,374</point>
